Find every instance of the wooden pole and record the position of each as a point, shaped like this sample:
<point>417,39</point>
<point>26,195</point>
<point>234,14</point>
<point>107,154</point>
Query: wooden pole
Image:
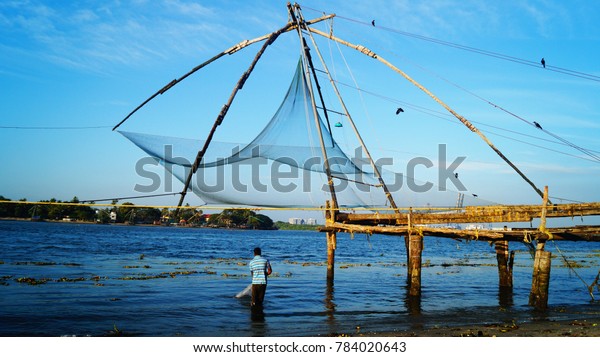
<point>331,241</point>
<point>415,250</point>
<point>538,297</point>
<point>505,260</point>
<point>505,276</point>
<point>331,245</point>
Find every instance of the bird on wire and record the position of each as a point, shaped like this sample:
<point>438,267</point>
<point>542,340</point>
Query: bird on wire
<point>373,22</point>
<point>537,125</point>
<point>543,62</point>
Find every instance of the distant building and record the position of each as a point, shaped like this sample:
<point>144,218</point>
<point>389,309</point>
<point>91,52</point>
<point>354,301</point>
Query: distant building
<point>296,221</point>
<point>309,221</point>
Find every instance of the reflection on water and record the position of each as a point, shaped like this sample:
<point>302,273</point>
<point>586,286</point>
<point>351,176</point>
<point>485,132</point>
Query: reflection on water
<point>71,279</point>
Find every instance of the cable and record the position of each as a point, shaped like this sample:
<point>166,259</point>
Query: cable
<point>498,55</point>
<point>446,117</point>
<point>130,197</point>
<point>55,127</point>
<point>589,288</point>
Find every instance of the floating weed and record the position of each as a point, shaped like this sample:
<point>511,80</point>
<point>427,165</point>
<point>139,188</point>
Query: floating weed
<point>226,275</point>
<point>186,272</point>
<point>32,281</point>
<point>34,263</point>
<point>69,280</point>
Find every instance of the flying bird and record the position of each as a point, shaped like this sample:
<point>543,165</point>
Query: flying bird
<point>456,175</point>
<point>474,195</point>
<point>399,110</point>
<point>373,22</point>
<point>537,125</point>
<point>543,61</point>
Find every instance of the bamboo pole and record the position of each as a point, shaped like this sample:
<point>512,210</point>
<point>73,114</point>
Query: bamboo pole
<point>306,54</point>
<point>388,194</point>
<point>239,85</point>
<point>462,119</point>
<point>231,50</point>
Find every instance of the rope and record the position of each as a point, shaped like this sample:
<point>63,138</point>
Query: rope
<point>488,53</point>
<point>589,287</point>
<point>209,207</point>
<point>447,117</point>
<point>130,197</point>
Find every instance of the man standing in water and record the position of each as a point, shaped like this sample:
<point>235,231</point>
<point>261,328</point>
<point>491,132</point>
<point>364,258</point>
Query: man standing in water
<point>260,268</point>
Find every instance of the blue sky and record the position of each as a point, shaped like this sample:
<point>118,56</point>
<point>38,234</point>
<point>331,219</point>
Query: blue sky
<point>72,70</point>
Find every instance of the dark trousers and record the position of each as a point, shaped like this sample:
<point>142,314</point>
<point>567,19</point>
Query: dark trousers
<point>258,294</point>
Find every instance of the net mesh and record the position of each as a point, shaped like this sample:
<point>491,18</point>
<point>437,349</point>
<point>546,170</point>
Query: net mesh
<point>284,165</point>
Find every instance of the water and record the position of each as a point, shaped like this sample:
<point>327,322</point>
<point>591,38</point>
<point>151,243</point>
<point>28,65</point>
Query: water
<point>88,280</point>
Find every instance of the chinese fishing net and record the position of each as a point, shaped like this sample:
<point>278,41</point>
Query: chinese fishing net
<point>284,165</point>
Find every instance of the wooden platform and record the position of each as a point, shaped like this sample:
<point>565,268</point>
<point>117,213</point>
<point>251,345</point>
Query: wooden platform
<point>439,222</point>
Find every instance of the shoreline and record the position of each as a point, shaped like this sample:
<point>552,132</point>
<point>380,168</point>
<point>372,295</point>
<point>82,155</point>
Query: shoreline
<point>588,327</point>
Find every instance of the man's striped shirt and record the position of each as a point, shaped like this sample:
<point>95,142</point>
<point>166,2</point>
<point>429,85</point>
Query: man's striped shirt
<point>258,267</point>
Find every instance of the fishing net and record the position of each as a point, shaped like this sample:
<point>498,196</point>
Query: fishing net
<point>284,165</point>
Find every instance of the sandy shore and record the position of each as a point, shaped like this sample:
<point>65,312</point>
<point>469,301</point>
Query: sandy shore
<point>541,328</point>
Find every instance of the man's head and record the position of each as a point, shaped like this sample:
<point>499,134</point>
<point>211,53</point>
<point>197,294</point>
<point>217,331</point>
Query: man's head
<point>257,251</point>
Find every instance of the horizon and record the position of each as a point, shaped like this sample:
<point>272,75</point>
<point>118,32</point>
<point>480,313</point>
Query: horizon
<point>72,71</point>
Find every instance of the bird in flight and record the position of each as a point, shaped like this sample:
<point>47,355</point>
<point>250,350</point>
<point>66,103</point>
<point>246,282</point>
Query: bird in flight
<point>543,61</point>
<point>399,110</point>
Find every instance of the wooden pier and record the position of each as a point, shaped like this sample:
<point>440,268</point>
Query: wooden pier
<point>414,224</point>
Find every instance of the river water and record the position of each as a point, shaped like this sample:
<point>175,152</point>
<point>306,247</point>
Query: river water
<point>66,279</point>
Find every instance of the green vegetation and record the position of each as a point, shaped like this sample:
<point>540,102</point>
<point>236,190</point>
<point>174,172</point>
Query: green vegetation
<point>128,213</point>
<point>295,227</point>
<point>244,219</point>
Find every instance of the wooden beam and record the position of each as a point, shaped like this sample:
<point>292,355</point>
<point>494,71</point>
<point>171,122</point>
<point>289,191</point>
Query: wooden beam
<point>578,233</point>
<point>473,214</point>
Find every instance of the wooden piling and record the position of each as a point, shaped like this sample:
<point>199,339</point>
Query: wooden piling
<point>331,242</point>
<point>415,250</point>
<point>538,297</point>
<point>505,264</point>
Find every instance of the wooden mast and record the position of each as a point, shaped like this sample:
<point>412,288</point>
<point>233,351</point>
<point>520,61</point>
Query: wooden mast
<point>359,137</point>
<point>332,206</point>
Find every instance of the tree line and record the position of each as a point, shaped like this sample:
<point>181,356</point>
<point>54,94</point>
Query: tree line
<point>128,212</point>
